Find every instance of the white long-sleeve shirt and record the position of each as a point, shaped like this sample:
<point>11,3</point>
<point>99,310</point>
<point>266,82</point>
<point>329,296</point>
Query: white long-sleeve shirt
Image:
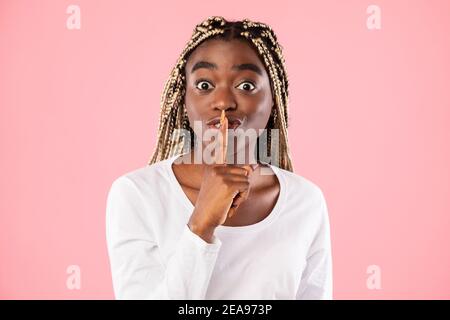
<point>154,255</point>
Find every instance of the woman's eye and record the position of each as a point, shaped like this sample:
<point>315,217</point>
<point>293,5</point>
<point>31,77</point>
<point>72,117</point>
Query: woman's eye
<point>203,85</point>
<point>246,86</point>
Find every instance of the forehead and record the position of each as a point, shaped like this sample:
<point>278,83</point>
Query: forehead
<point>225,53</point>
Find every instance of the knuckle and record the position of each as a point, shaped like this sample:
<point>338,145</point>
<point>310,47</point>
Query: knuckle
<point>246,184</point>
<point>215,171</point>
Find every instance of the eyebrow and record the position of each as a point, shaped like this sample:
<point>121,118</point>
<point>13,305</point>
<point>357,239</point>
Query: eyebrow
<point>248,66</point>
<point>204,64</point>
<point>239,67</point>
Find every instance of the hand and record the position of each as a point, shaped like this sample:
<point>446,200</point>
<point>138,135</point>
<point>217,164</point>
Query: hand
<point>224,187</point>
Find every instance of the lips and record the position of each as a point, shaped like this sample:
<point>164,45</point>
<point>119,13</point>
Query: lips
<point>233,122</point>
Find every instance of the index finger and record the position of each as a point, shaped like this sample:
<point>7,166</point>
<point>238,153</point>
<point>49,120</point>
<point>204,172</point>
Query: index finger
<point>224,129</point>
<point>222,140</point>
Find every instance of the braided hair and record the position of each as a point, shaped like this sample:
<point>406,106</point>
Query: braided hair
<point>173,113</point>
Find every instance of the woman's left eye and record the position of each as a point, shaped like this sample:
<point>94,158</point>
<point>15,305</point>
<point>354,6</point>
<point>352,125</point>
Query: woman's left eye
<point>246,86</point>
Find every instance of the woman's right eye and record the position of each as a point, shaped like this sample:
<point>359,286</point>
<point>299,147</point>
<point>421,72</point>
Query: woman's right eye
<point>203,85</point>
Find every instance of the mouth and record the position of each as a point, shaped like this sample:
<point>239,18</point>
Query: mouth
<point>233,123</point>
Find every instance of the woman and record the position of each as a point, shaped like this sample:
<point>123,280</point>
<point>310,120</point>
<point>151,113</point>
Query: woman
<point>207,222</point>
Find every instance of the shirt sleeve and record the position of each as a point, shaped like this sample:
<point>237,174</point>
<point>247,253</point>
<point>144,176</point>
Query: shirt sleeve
<point>317,279</point>
<point>137,270</point>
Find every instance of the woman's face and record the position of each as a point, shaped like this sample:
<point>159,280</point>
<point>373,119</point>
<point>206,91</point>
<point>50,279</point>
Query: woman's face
<point>227,75</point>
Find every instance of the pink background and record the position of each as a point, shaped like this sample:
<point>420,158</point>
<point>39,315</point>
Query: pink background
<point>370,124</point>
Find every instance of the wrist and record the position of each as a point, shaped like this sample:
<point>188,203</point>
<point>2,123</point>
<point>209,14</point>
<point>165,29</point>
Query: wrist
<point>205,232</point>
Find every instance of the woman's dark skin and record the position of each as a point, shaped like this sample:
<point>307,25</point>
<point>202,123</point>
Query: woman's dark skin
<point>217,190</point>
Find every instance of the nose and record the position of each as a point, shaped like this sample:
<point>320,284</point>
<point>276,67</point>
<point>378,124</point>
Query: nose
<point>224,100</point>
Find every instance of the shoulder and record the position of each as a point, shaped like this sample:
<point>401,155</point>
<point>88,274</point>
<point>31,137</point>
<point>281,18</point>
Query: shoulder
<point>305,204</point>
<point>303,199</point>
<point>143,180</point>
<point>299,187</point>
